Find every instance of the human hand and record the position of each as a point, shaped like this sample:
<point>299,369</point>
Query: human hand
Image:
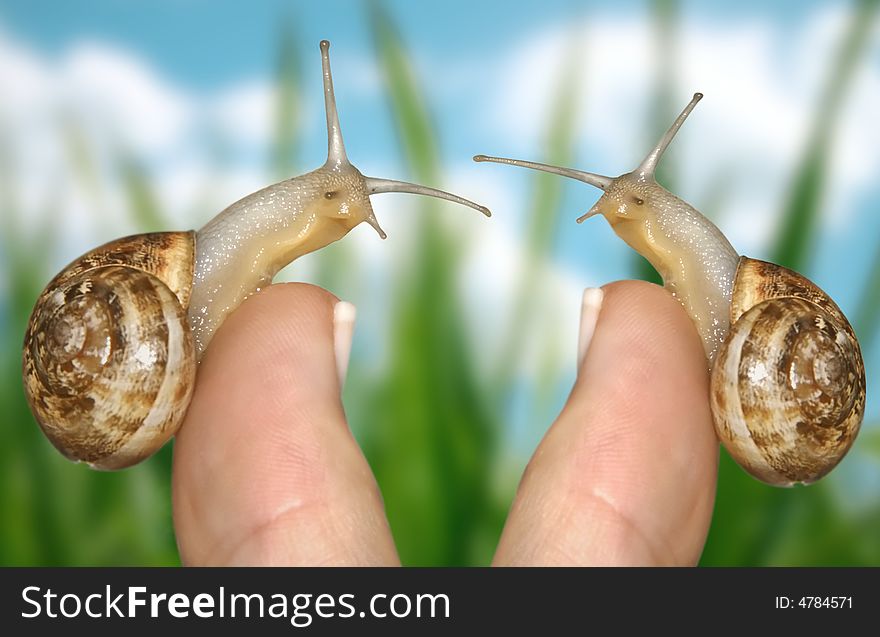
<point>267,472</point>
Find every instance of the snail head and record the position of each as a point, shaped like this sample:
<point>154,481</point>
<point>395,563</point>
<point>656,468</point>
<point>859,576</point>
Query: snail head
<point>632,196</point>
<point>341,197</point>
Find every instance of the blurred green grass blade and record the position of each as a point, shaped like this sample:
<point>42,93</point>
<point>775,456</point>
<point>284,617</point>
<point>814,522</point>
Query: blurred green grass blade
<point>799,225</point>
<point>431,441</point>
<point>542,218</point>
<point>665,102</point>
<point>551,373</point>
<point>755,524</point>
<point>28,523</point>
<point>9,203</point>
<point>800,216</point>
<point>665,37</point>
<point>869,439</point>
<point>287,105</point>
<point>25,260</point>
<point>83,162</point>
<point>49,500</point>
<point>413,123</point>
<point>741,509</point>
<point>811,531</point>
<point>55,512</point>
<point>867,315</point>
<point>424,419</point>
<point>642,269</point>
<point>143,205</point>
<point>337,269</point>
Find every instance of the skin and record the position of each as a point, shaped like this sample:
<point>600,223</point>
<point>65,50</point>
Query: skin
<point>266,470</point>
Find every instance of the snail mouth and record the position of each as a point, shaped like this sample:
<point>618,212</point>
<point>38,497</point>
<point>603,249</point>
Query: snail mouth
<point>619,222</point>
<point>349,221</point>
<point>341,223</point>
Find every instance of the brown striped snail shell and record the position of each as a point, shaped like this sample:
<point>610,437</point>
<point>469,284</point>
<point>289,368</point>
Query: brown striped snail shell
<point>108,360</point>
<point>787,380</point>
<point>113,343</point>
<point>788,384</point>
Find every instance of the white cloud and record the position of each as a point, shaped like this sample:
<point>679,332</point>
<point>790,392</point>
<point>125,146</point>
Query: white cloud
<point>761,85</point>
<point>116,92</point>
<point>27,81</point>
<point>245,113</point>
<point>751,127</point>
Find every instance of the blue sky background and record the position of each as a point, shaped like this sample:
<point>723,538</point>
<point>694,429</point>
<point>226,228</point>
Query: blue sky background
<point>208,44</point>
<point>165,76</point>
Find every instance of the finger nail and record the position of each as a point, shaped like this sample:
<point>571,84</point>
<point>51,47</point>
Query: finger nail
<point>590,307</point>
<point>344,314</point>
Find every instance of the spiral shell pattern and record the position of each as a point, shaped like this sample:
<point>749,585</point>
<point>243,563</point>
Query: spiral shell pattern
<point>108,363</point>
<point>788,386</point>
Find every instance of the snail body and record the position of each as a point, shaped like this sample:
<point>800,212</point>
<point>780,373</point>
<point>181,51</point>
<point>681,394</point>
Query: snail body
<point>113,343</point>
<point>787,387</point>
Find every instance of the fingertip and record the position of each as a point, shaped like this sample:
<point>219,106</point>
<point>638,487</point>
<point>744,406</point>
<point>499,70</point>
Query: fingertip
<point>627,472</point>
<point>649,313</point>
<point>644,401</point>
<point>293,312</point>
<point>265,467</point>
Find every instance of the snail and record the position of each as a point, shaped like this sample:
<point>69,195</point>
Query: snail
<point>787,386</point>
<point>113,343</point>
